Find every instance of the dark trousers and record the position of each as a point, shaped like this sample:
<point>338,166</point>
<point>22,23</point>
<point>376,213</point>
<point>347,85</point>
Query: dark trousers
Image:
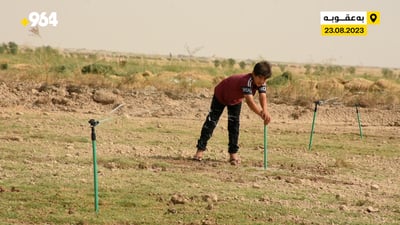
<point>213,116</point>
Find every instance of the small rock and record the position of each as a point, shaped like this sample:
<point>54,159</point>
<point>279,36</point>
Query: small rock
<point>178,199</point>
<point>142,166</point>
<point>210,198</point>
<point>83,180</point>
<point>172,211</point>
<point>374,187</point>
<point>104,97</point>
<point>15,138</point>
<point>147,74</point>
<point>14,189</point>
<point>292,180</point>
<point>371,209</point>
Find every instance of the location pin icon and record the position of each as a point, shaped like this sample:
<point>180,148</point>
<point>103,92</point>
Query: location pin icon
<point>373,17</point>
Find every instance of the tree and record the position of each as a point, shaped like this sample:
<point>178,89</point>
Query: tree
<point>217,63</point>
<point>231,62</point>
<point>5,48</point>
<point>308,69</point>
<point>351,70</point>
<point>13,47</point>
<point>192,52</point>
<point>387,73</point>
<point>282,67</point>
<point>319,70</point>
<point>242,65</point>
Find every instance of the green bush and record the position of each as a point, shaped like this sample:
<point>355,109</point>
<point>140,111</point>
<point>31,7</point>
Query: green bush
<point>283,79</point>
<point>231,62</point>
<point>4,48</point>
<point>351,70</point>
<point>388,73</point>
<point>4,66</point>
<point>97,68</point>
<point>59,69</point>
<point>242,65</point>
<point>282,67</point>
<point>13,47</point>
<point>308,68</point>
<point>217,63</point>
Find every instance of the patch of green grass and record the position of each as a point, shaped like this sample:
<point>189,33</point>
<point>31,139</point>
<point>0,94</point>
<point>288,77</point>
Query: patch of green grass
<point>52,174</point>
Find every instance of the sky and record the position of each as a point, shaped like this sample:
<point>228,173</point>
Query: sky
<point>275,30</point>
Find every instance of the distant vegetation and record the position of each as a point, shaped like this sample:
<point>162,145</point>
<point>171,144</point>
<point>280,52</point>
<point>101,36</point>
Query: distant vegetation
<point>290,83</point>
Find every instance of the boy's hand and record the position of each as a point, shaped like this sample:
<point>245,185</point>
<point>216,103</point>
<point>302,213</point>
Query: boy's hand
<point>266,117</point>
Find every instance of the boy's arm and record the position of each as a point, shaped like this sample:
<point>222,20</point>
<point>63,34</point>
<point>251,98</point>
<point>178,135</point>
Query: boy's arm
<point>263,101</point>
<point>264,113</point>
<point>252,105</point>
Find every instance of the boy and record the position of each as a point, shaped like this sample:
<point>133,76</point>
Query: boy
<point>230,93</point>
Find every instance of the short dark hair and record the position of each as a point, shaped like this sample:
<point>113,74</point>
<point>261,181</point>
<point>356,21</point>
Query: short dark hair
<point>262,69</point>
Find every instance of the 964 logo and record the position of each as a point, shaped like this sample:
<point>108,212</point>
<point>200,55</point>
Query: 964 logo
<point>41,19</point>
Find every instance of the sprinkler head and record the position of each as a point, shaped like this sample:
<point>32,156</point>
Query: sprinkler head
<point>319,102</point>
<point>93,122</point>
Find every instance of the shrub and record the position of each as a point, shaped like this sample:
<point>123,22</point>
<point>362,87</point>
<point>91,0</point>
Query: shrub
<point>280,80</point>
<point>351,70</point>
<point>4,66</point>
<point>388,73</point>
<point>331,69</point>
<point>308,69</point>
<point>217,63</point>
<point>319,69</point>
<point>97,68</point>
<point>231,62</point>
<point>4,48</point>
<point>59,69</point>
<point>13,47</point>
<point>242,65</point>
<point>282,67</point>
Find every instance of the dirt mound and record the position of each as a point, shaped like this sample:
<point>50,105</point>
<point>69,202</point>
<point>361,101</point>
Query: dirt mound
<point>358,85</point>
<point>151,102</point>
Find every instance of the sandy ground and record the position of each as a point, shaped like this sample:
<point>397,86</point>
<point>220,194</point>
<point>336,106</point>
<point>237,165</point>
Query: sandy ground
<point>149,105</point>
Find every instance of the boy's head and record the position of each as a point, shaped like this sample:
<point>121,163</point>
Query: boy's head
<point>261,72</point>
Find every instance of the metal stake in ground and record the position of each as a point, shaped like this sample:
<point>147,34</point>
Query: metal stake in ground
<point>265,147</point>
<point>359,121</point>
<point>93,123</point>
<point>313,123</point>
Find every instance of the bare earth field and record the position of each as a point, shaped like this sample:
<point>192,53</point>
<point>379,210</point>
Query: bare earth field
<point>146,175</point>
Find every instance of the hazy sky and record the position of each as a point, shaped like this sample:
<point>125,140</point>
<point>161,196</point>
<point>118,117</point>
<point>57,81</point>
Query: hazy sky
<point>276,30</point>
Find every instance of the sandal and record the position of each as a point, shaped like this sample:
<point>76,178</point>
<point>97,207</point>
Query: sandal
<point>198,156</point>
<point>234,159</point>
<point>195,158</point>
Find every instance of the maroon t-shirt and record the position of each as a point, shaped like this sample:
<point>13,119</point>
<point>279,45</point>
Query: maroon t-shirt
<point>232,90</point>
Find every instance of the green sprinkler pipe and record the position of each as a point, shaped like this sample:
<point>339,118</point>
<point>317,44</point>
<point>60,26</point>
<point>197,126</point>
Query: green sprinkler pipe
<point>94,123</point>
<point>313,123</point>
<point>265,147</point>
<point>359,122</point>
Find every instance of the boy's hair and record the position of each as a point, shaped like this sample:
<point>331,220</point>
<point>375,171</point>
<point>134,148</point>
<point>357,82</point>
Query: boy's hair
<point>262,69</point>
